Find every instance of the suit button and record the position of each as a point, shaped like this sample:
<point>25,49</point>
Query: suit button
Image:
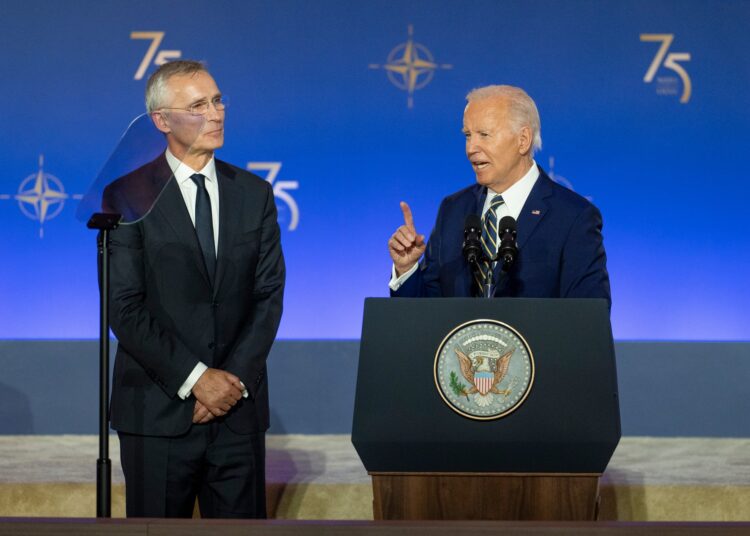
<point>211,346</point>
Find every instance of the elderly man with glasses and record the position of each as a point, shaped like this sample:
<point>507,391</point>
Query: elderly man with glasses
<point>196,293</point>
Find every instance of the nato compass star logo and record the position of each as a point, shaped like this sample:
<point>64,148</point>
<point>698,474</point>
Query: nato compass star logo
<point>410,66</point>
<point>41,196</point>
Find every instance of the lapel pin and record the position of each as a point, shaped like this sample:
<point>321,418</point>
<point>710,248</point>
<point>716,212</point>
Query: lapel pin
<point>536,212</point>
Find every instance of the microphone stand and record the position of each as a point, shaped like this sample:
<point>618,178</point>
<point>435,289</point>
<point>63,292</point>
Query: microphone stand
<point>104,223</point>
<point>487,291</point>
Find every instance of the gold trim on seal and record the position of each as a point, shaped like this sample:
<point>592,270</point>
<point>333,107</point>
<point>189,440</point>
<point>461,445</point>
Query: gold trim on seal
<point>514,332</point>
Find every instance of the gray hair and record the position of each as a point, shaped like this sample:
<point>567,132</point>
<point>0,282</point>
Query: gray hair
<point>156,87</point>
<point>523,112</point>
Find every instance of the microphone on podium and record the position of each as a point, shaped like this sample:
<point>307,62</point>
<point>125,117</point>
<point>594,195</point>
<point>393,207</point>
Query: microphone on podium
<point>508,250</point>
<point>472,246</point>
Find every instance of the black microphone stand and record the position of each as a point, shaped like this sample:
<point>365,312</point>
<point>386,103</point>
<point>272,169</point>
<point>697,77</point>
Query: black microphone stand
<point>505,268</point>
<point>104,223</point>
<point>487,290</point>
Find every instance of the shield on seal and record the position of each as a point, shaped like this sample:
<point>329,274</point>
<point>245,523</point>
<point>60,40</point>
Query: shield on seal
<point>483,382</point>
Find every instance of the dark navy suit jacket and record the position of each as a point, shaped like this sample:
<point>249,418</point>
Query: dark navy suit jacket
<point>166,313</point>
<point>560,249</point>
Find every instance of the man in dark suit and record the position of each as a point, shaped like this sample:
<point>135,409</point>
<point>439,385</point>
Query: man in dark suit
<point>560,248</point>
<point>196,300</point>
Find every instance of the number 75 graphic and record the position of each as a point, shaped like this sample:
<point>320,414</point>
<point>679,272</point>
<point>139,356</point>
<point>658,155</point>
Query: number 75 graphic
<point>670,62</point>
<point>280,188</point>
<point>151,54</point>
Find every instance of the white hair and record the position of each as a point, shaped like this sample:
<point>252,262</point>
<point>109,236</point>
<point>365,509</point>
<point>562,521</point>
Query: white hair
<point>156,87</point>
<point>523,112</point>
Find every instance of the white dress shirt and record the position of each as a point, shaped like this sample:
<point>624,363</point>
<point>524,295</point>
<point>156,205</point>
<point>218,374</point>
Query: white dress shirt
<point>514,199</point>
<point>182,173</point>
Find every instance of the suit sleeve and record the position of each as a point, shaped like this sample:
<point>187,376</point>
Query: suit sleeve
<point>584,264</point>
<point>165,358</point>
<point>247,359</point>
<point>425,282</point>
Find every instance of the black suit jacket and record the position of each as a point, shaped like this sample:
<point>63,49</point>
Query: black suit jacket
<point>560,248</point>
<point>166,314</point>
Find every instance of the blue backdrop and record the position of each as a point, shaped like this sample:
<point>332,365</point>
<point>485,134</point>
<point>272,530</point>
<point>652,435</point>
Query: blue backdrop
<point>350,107</point>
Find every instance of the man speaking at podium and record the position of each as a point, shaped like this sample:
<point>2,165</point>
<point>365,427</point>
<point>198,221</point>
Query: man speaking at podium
<point>535,238</point>
<point>196,293</point>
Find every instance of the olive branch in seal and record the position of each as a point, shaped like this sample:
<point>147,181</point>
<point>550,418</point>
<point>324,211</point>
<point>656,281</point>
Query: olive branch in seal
<point>459,388</point>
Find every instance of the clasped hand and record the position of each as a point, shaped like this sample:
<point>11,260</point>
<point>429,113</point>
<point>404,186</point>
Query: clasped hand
<point>216,392</point>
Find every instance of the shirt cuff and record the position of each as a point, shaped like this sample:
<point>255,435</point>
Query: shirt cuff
<point>396,282</point>
<point>245,394</point>
<point>187,387</point>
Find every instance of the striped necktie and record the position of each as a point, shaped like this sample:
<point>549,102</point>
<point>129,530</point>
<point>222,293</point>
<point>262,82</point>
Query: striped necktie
<point>204,225</point>
<point>489,241</point>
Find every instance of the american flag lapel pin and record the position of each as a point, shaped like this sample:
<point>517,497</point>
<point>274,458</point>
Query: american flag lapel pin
<point>536,212</point>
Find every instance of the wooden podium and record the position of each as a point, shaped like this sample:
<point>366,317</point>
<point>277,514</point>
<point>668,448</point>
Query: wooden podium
<point>495,496</point>
<point>540,462</point>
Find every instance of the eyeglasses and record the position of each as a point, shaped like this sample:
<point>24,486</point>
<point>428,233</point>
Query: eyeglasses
<point>202,107</point>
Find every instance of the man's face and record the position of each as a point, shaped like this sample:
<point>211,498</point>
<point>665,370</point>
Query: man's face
<point>499,156</point>
<point>186,133</point>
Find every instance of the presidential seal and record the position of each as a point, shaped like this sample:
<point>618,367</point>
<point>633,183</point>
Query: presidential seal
<point>484,369</point>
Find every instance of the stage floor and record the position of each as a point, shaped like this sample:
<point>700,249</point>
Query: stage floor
<point>321,477</point>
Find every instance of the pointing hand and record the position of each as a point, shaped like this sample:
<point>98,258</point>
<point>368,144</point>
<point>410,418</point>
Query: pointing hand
<point>406,246</point>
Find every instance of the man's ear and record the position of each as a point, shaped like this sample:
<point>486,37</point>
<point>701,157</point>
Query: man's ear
<point>524,140</point>
<point>160,121</point>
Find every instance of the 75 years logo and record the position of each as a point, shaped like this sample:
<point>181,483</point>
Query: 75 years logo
<point>153,54</point>
<point>668,85</point>
<point>288,210</point>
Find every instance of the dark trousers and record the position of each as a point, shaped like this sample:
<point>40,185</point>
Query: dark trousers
<point>224,470</point>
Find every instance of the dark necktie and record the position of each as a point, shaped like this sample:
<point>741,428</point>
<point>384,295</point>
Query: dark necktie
<point>489,240</point>
<point>204,225</point>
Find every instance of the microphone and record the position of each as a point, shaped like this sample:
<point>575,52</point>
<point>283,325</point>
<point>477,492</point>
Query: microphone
<point>472,246</point>
<point>508,250</point>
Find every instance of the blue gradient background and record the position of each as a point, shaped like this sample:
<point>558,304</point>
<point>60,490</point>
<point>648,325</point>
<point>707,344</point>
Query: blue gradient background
<point>668,177</point>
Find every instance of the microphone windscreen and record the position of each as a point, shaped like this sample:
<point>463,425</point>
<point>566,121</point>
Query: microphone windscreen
<point>508,223</point>
<point>473,222</point>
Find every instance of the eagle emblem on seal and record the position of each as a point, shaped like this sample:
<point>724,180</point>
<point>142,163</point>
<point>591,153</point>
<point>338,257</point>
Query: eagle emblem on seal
<point>484,369</point>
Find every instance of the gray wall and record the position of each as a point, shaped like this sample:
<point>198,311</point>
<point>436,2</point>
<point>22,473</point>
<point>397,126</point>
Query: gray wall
<point>666,388</point>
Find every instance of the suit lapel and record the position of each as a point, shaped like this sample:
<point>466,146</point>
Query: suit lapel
<point>480,195</point>
<point>534,209</point>
<point>229,203</point>
<point>171,205</point>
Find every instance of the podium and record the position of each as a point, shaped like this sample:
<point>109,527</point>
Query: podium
<point>432,444</point>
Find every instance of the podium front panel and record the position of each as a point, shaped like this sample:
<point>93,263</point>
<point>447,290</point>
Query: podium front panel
<point>568,423</point>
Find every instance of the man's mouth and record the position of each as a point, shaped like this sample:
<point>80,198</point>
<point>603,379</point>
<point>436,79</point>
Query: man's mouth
<point>479,164</point>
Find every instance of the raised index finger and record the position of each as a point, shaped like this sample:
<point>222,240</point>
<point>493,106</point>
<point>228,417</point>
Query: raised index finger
<point>408,219</point>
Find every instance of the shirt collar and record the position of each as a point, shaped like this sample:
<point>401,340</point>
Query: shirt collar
<point>182,171</point>
<point>515,196</point>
